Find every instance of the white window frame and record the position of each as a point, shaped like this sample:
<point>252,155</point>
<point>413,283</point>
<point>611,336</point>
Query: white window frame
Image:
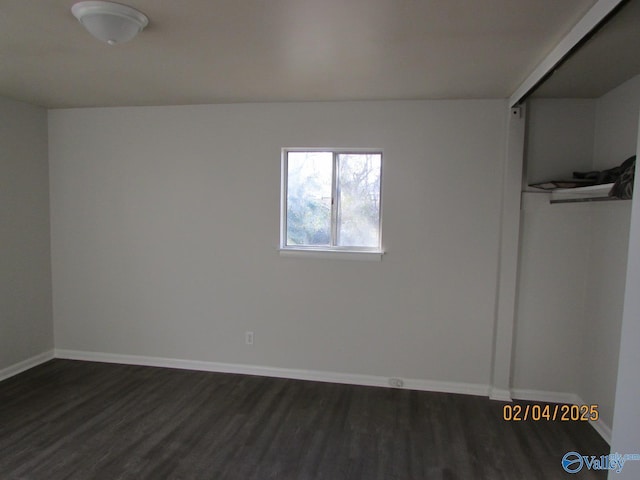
<point>328,251</point>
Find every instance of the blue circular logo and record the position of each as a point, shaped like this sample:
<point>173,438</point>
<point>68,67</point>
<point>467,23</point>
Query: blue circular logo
<point>572,462</point>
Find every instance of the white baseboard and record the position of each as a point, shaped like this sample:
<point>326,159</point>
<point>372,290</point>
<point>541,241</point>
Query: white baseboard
<point>543,396</point>
<point>500,394</point>
<point>603,429</point>
<point>20,367</point>
<point>559,397</point>
<point>314,375</point>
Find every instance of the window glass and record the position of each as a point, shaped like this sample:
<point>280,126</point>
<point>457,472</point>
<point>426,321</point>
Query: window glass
<point>358,216</point>
<point>309,186</point>
<point>331,200</point>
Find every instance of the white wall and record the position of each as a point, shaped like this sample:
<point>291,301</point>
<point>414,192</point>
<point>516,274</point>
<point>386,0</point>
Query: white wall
<point>615,140</point>
<point>626,426</point>
<point>553,250</point>
<point>616,124</point>
<point>165,227</point>
<point>26,328</point>
<point>574,256</point>
<point>559,138</point>
<point>550,317</point>
<point>604,290</point>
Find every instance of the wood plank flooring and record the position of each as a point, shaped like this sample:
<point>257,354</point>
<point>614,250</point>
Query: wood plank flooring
<point>83,420</point>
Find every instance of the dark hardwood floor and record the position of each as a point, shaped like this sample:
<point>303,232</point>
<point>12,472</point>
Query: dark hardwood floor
<point>83,420</point>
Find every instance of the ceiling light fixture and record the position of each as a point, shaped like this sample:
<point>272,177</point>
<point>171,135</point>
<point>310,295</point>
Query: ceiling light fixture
<point>110,22</point>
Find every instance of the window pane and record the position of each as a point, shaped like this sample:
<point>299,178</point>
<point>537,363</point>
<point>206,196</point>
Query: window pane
<point>309,178</point>
<point>358,200</point>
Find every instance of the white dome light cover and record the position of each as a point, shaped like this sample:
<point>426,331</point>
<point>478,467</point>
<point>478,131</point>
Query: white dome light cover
<point>110,22</point>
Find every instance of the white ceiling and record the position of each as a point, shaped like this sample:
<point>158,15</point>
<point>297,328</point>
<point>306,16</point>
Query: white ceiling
<point>218,51</point>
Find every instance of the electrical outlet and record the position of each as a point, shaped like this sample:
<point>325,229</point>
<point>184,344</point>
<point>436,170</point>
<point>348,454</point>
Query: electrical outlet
<point>248,338</point>
<point>396,382</point>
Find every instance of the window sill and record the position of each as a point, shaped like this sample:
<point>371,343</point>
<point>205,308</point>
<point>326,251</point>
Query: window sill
<point>370,256</point>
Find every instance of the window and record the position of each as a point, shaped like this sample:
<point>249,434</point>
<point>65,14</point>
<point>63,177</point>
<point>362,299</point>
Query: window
<point>331,200</point>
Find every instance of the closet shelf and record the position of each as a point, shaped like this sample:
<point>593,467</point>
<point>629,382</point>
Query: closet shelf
<point>533,199</point>
<point>582,200</point>
<point>592,193</point>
